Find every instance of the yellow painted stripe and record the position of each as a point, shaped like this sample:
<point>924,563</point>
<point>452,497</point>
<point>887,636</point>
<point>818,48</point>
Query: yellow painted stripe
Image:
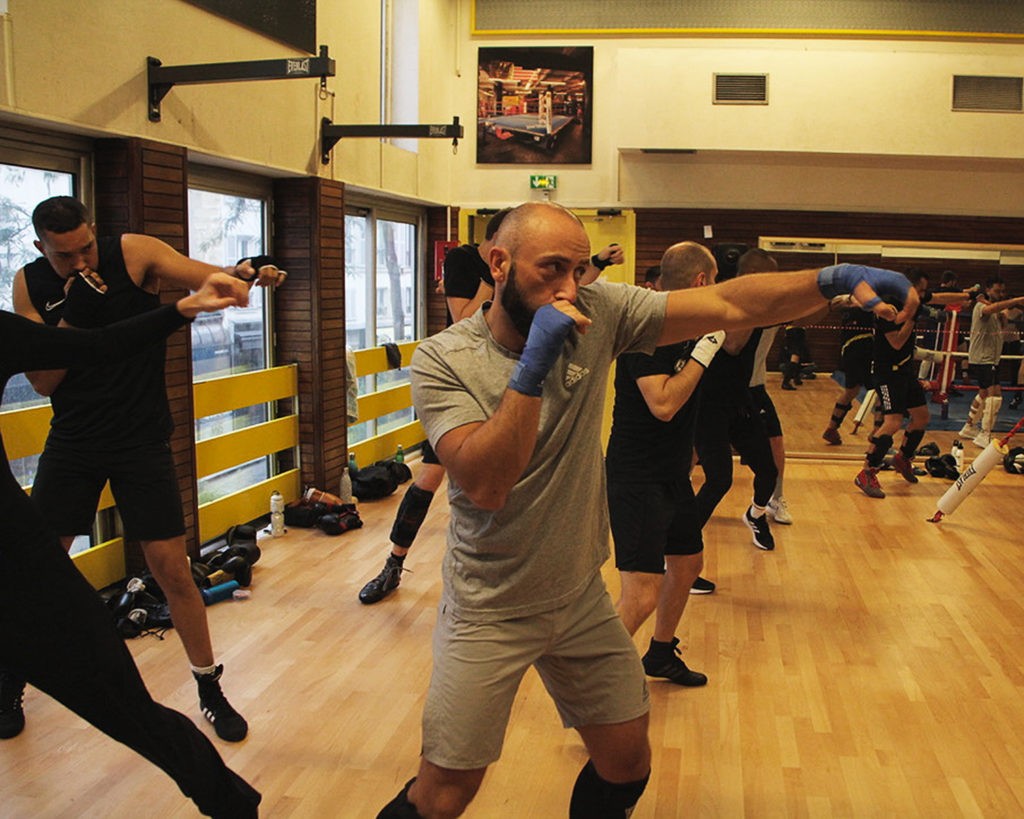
<point>827,33</point>
<point>236,391</point>
<point>246,504</point>
<point>25,430</point>
<point>384,446</point>
<point>376,404</point>
<point>103,564</point>
<point>375,360</point>
<point>233,448</point>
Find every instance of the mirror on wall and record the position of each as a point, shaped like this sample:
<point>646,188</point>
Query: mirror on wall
<point>805,411</point>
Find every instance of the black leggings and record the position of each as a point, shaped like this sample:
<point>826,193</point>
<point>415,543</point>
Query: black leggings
<point>719,430</point>
<point>56,632</point>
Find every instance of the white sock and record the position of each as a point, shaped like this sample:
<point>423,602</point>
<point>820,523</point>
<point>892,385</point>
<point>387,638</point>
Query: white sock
<point>204,670</point>
<point>756,511</point>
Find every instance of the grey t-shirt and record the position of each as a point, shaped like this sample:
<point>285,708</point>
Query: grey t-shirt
<point>546,543</point>
<point>986,344</point>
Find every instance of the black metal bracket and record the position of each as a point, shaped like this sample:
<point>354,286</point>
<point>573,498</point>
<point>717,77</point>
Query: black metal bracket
<point>330,133</point>
<point>163,78</point>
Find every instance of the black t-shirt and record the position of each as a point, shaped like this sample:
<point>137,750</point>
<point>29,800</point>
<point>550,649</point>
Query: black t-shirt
<point>727,381</point>
<point>886,358</point>
<point>105,405</point>
<point>641,447</point>
<point>463,272</point>
<point>856,324</point>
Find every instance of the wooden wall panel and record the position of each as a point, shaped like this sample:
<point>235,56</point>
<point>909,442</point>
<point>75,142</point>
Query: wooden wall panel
<point>309,317</point>
<point>142,187</point>
<point>437,231</point>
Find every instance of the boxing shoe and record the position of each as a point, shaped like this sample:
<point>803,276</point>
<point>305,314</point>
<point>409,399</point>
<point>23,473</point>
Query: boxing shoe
<point>226,721</point>
<point>384,583</point>
<point>832,436</point>
<point>663,660</point>
<point>969,430</point>
<point>867,482</point>
<point>902,464</point>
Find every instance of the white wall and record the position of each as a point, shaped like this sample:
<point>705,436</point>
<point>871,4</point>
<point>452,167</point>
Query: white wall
<point>851,124</point>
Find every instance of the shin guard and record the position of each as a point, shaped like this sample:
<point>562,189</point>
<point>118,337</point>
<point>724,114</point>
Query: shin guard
<point>596,798</point>
<point>411,514</point>
<point>881,444</point>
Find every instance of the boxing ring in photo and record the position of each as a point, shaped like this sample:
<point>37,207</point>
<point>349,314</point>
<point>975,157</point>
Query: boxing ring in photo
<point>528,128</point>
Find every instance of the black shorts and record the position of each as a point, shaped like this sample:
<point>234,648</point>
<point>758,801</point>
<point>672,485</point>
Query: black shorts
<point>984,374</point>
<point>765,408</point>
<point>69,482</point>
<point>651,520</point>
<point>899,392</point>
<point>855,362</point>
<point>428,454</point>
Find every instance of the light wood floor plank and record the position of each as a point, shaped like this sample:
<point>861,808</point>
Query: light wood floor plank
<point>871,666</point>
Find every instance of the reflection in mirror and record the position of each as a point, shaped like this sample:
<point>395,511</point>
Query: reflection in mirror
<point>805,411</point>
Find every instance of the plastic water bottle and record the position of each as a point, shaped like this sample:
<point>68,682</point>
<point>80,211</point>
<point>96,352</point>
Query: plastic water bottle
<point>345,487</point>
<point>276,514</point>
<point>957,451</point>
<point>400,455</point>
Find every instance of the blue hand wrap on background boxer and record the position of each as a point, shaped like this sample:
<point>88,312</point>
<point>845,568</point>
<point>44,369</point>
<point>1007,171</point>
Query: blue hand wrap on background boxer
<point>840,279</point>
<point>548,332</point>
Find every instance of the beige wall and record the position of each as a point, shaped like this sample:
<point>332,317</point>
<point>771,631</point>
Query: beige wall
<point>851,125</point>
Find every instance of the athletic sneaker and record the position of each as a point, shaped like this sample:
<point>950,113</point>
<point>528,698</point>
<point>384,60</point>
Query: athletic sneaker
<point>832,436</point>
<point>982,439</point>
<point>867,482</point>
<point>12,715</point>
<point>969,430</point>
<point>903,466</point>
<point>662,661</point>
<point>383,584</point>
<point>226,721</point>
<point>762,533</point>
<point>702,586</point>
<point>779,510</point>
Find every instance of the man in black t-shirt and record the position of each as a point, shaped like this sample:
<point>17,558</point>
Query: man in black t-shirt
<point>658,544</point>
<point>113,421</point>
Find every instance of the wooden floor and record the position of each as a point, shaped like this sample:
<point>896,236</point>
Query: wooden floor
<point>872,665</point>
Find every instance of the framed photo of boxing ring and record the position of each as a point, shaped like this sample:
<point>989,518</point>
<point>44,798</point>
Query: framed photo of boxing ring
<point>534,105</point>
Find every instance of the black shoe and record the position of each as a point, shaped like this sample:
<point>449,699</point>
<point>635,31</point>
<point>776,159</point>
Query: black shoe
<point>760,530</point>
<point>226,721</point>
<point>384,583</point>
<point>666,664</point>
<point>702,586</point>
<point>12,715</point>
<point>1015,401</point>
<point>400,807</point>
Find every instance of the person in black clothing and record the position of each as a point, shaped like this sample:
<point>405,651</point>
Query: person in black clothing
<point>899,392</point>
<point>113,421</point>
<point>55,630</point>
<point>729,419</point>
<point>855,356</point>
<point>653,512</point>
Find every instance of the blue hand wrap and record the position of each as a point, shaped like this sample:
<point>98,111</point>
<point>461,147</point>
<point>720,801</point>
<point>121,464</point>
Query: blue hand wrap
<point>840,279</point>
<point>548,332</point>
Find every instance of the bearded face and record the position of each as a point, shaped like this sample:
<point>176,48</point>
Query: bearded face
<point>513,304</point>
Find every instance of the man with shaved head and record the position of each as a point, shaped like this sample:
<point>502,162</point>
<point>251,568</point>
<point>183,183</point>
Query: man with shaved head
<point>512,400</point>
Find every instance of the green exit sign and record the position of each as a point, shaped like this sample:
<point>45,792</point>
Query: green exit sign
<point>543,182</point>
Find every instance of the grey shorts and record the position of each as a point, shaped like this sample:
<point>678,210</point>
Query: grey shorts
<point>582,652</point>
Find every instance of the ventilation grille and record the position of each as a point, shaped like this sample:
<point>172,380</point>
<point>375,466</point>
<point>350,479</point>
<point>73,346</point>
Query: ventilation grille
<point>741,89</point>
<point>987,93</point>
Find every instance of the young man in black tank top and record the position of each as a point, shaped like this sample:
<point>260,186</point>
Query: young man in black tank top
<point>112,421</point>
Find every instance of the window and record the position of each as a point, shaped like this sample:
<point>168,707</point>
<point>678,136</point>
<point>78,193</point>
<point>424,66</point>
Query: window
<point>28,175</point>
<point>383,302</point>
<point>227,222</point>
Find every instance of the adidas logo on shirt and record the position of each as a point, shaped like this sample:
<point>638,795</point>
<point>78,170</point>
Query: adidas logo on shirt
<point>573,373</point>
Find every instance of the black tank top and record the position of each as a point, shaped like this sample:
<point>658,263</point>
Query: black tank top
<point>106,406</point>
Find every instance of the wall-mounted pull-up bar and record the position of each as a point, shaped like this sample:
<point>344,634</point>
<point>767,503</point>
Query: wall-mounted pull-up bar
<point>163,78</point>
<point>330,133</point>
